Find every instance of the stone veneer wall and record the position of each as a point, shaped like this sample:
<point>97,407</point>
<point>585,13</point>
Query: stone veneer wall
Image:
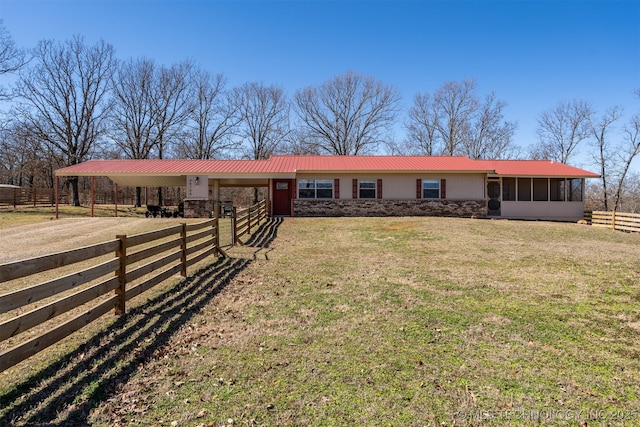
<point>382,207</point>
<point>198,208</point>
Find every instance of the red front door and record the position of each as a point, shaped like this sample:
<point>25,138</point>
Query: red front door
<point>282,191</point>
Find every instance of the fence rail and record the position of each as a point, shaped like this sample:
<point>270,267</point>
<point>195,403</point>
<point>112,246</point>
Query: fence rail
<point>246,219</point>
<point>617,220</point>
<point>29,196</point>
<point>139,262</point>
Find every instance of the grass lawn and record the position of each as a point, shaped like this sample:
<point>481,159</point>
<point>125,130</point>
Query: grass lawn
<point>372,321</point>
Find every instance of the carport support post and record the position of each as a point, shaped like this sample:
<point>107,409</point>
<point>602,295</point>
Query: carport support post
<point>121,290</point>
<point>93,193</point>
<point>57,193</point>
<point>115,198</point>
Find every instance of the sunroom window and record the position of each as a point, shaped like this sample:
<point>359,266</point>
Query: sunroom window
<point>509,189</point>
<point>557,186</point>
<point>540,189</point>
<point>524,189</point>
<point>575,190</point>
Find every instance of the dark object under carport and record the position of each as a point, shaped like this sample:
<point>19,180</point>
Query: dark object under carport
<point>157,211</point>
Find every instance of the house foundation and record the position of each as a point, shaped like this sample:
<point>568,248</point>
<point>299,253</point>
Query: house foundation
<point>198,208</point>
<point>384,207</point>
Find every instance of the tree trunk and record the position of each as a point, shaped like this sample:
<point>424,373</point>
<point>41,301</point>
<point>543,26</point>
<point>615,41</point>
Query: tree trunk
<point>74,190</point>
<point>138,197</point>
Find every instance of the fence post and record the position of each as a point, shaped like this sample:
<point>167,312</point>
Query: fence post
<point>249,220</point>
<point>183,249</point>
<point>233,226</point>
<point>613,219</point>
<point>216,229</point>
<point>121,290</point>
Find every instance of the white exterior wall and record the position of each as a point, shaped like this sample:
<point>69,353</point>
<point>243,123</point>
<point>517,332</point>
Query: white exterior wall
<point>403,186</point>
<point>561,211</point>
<point>197,187</point>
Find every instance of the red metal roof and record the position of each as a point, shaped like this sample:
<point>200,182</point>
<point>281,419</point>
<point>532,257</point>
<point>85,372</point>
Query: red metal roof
<point>166,166</point>
<point>291,164</point>
<point>376,163</point>
<point>546,168</point>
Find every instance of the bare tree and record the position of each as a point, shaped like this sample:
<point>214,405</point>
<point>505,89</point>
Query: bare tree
<point>601,130</point>
<point>264,125</point>
<point>151,107</point>
<point>456,103</point>
<point>422,126</point>
<point>489,136</point>
<point>629,150</point>
<point>264,114</point>
<point>133,118</point>
<point>630,201</point>
<point>173,103</point>
<point>299,143</point>
<point>455,122</point>
<point>23,159</point>
<point>12,59</point>
<point>64,98</point>
<point>562,129</point>
<point>348,115</point>
<point>213,120</point>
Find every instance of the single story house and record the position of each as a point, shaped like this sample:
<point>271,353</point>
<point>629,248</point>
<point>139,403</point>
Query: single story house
<point>366,185</point>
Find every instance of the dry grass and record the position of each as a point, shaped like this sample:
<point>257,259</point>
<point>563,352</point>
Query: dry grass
<point>376,321</point>
<point>31,234</point>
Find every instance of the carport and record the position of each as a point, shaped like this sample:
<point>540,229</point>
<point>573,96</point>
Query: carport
<point>202,179</point>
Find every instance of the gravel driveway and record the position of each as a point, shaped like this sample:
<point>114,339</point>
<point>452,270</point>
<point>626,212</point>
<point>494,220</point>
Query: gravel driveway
<point>43,238</point>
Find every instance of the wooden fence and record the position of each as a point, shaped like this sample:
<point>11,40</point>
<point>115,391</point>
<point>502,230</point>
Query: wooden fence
<point>616,220</point>
<point>120,270</point>
<point>246,219</point>
<point>15,197</point>
<point>29,197</point>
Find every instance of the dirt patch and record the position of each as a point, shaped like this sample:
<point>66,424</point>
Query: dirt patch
<point>43,238</point>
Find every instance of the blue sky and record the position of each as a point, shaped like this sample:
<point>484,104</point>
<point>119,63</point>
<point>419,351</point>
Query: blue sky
<point>532,54</point>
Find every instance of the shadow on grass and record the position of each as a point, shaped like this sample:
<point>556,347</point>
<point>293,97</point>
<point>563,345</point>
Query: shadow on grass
<point>265,234</point>
<point>64,393</point>
<point>263,237</point>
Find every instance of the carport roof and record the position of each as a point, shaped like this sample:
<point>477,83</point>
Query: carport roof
<point>165,167</point>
